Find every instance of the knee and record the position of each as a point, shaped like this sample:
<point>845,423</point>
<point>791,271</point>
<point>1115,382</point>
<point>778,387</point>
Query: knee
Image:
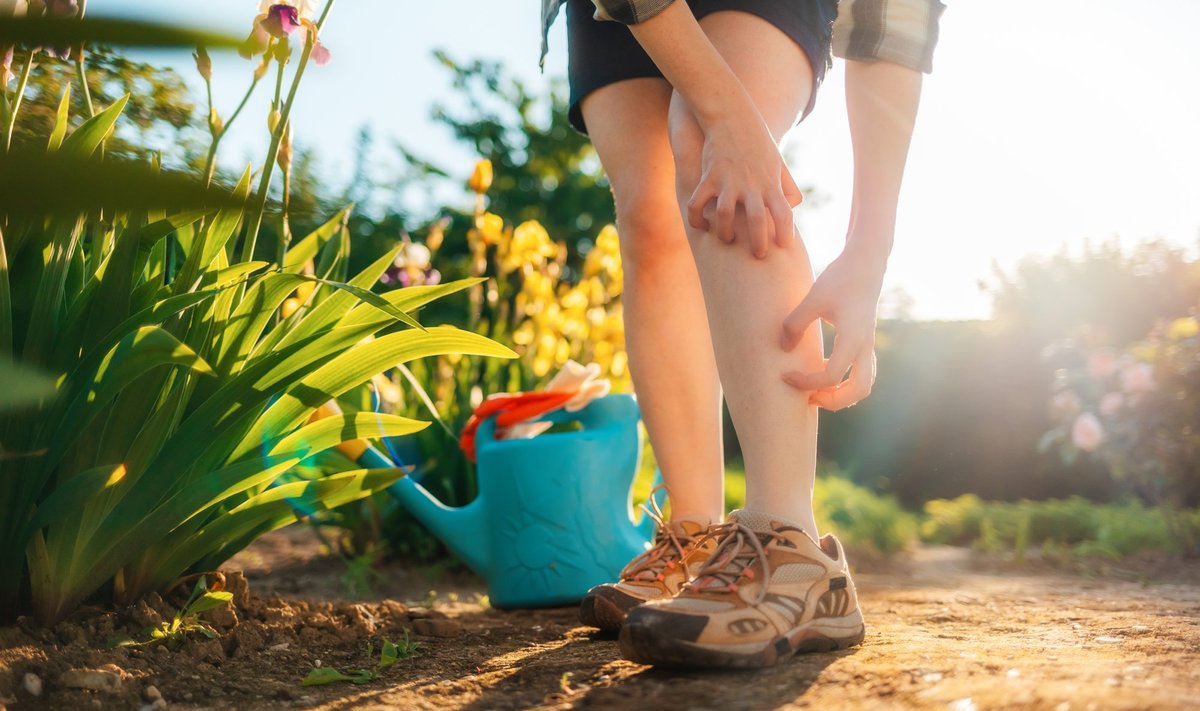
<point>652,236</point>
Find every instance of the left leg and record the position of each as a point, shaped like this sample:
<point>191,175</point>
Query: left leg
<point>771,588</point>
<point>748,298</point>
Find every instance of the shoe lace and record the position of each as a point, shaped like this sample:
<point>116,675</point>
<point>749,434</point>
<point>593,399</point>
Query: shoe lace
<point>739,550</point>
<point>667,552</point>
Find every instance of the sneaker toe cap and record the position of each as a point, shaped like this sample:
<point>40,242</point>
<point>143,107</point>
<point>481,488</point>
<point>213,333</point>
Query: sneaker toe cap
<point>660,620</point>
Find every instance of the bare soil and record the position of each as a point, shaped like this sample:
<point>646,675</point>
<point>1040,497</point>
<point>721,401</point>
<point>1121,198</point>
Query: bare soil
<point>947,629</point>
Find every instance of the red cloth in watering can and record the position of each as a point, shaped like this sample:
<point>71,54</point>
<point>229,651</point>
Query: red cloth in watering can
<point>510,409</point>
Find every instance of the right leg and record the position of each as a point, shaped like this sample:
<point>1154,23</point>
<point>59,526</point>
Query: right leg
<point>666,327</point>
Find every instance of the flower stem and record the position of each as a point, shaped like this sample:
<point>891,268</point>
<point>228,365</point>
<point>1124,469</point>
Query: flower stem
<point>264,185</point>
<point>210,169</point>
<point>16,102</point>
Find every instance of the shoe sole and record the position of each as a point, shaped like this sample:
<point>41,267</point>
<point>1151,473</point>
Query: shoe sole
<point>599,612</point>
<point>639,643</point>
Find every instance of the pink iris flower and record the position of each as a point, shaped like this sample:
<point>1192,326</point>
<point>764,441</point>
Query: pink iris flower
<point>278,21</point>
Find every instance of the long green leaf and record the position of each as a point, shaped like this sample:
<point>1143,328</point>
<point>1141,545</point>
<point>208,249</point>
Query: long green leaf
<point>36,184</point>
<point>84,141</point>
<point>70,497</point>
<point>356,366</point>
<point>135,355</point>
<point>61,120</point>
<point>332,431</point>
<point>6,304</point>
<point>277,507</point>
<point>212,239</point>
<point>369,297</point>
<point>21,385</point>
<point>69,32</point>
<point>308,247</point>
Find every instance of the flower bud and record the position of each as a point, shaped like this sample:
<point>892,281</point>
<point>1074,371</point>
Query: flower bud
<point>481,177</point>
<point>437,234</point>
<point>203,63</point>
<point>273,120</point>
<point>285,149</point>
<point>263,66</point>
<point>215,123</point>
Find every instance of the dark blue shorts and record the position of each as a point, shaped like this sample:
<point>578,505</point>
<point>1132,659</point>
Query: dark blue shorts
<point>603,52</point>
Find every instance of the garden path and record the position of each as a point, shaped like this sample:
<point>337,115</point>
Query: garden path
<point>948,629</point>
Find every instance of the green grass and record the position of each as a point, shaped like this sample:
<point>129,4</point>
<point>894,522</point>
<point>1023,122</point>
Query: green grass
<point>858,516</point>
<point>1073,526</point>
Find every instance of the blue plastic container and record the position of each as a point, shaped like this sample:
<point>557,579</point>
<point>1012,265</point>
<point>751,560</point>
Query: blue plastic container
<point>553,515</point>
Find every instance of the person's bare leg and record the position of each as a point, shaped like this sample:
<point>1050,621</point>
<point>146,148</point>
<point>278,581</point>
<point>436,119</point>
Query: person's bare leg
<point>748,298</point>
<point>666,330</point>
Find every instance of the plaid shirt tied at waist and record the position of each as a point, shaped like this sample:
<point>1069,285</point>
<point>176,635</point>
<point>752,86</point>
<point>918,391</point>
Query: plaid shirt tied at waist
<point>904,32</point>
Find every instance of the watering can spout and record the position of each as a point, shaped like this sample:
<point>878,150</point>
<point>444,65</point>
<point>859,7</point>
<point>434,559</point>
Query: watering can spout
<point>464,530</point>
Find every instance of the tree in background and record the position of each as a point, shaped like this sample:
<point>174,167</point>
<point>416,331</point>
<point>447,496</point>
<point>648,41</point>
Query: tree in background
<point>160,111</point>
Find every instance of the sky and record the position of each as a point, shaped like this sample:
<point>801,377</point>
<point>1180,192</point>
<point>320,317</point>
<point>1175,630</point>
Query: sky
<point>1046,124</point>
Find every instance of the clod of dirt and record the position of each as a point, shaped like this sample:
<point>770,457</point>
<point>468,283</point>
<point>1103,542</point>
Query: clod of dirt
<point>236,583</point>
<point>32,684</point>
<point>206,650</point>
<point>244,640</point>
<point>437,627</point>
<point>362,620</point>
<point>223,618</point>
<point>94,679</point>
<point>144,615</point>
<point>71,634</point>
<point>418,613</point>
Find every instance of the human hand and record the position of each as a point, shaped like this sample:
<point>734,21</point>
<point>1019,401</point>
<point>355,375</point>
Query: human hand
<point>743,173</point>
<point>846,295</point>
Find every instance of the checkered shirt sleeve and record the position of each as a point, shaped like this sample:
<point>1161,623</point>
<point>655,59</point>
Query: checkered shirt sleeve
<point>901,31</point>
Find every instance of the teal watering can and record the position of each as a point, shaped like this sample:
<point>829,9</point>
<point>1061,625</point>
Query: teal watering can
<point>553,515</point>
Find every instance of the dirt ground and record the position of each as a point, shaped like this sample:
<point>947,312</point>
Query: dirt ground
<point>947,629</point>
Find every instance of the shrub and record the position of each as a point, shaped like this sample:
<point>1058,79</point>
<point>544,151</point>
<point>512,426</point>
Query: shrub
<point>184,382</point>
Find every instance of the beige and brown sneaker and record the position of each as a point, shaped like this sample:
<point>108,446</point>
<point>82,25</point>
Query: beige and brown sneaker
<point>767,592</point>
<point>657,573</point>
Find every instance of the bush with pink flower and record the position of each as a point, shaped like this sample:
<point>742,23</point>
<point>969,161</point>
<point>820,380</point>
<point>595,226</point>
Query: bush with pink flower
<point>1138,411</point>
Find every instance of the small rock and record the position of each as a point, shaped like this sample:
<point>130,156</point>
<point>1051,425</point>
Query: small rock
<point>32,683</point>
<point>281,647</point>
<point>94,679</point>
<point>437,627</point>
<point>151,693</point>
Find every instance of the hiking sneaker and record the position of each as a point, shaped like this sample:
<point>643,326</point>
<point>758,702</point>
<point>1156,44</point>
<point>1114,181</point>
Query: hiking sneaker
<point>658,573</point>
<point>767,592</point>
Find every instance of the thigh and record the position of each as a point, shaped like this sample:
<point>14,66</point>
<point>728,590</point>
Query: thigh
<point>776,72</point>
<point>627,122</point>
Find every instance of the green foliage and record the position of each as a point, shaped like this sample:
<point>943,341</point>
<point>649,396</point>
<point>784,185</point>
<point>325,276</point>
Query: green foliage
<point>389,654</point>
<point>544,169</point>
<point>183,393</point>
<point>186,620</point>
<point>859,517</point>
<point>1074,526</point>
<point>862,518</point>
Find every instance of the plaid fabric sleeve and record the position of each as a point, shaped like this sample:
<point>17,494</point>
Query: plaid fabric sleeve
<point>629,12</point>
<point>901,31</point>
